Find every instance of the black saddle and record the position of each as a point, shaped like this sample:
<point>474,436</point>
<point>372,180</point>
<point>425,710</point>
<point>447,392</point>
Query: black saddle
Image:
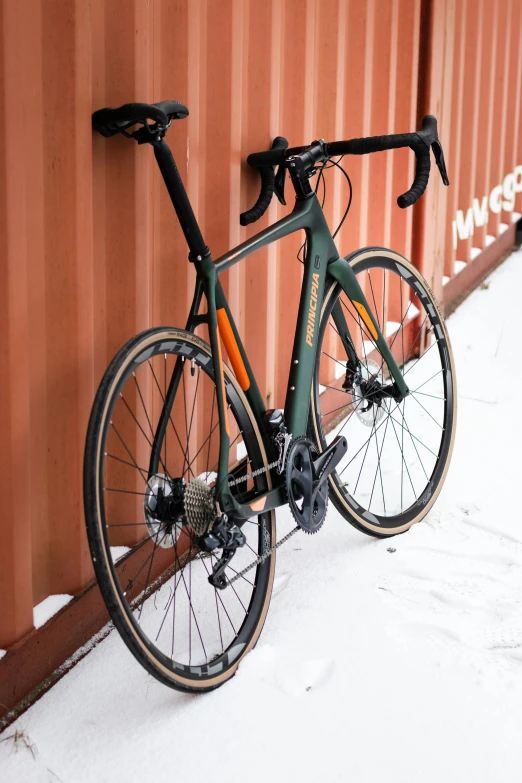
<point>108,122</point>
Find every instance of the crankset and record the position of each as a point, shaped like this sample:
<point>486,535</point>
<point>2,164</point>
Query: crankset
<point>307,472</point>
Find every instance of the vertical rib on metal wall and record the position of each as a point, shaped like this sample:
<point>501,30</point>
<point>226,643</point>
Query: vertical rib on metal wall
<point>90,249</point>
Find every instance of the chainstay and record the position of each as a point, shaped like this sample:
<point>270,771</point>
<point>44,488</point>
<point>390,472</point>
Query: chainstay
<point>263,557</point>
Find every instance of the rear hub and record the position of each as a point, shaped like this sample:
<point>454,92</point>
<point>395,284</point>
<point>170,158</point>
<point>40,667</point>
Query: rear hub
<point>164,509</point>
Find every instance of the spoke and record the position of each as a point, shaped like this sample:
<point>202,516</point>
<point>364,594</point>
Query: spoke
<point>143,432</point>
<point>425,382</point>
<point>130,464</point>
<point>220,599</point>
<point>421,358</point>
<point>343,364</point>
<point>413,343</point>
<point>404,463</point>
<point>411,437</point>
<point>242,577</point>
<point>340,408</point>
<point>251,549</point>
<point>150,569</point>
<point>365,443</point>
<point>350,415</point>
<point>219,621</point>
<point>143,403</point>
<point>190,614</point>
<point>190,602</point>
<point>164,401</point>
<point>429,414</point>
<point>433,396</point>
<point>234,589</point>
<point>414,436</point>
<point>400,329</point>
<point>165,397</point>
<point>186,424</point>
<point>144,474</point>
<point>378,469</point>
<point>203,446</point>
<point>169,603</point>
<point>334,388</point>
<point>124,491</point>
<point>373,297</point>
<point>364,458</point>
<point>131,581</point>
<point>192,416</point>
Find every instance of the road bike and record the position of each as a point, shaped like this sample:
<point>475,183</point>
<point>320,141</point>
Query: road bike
<point>184,465</point>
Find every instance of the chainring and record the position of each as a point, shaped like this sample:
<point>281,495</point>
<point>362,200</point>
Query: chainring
<point>307,497</point>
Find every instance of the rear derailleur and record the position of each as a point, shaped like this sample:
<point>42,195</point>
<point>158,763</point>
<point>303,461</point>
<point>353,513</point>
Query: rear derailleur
<point>225,535</point>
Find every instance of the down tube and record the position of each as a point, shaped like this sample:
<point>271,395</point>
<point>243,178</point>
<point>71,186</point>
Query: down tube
<point>319,247</point>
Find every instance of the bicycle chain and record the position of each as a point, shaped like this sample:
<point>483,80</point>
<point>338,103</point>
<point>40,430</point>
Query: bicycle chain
<point>253,474</point>
<point>263,557</point>
<point>268,552</point>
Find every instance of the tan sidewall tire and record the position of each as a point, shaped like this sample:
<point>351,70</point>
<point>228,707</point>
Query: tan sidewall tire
<point>348,512</point>
<point>164,673</point>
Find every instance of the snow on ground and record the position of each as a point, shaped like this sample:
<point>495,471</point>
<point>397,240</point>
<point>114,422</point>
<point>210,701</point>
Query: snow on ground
<point>48,607</point>
<point>381,660</point>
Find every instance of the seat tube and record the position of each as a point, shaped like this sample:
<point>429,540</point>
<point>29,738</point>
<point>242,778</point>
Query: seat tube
<point>180,200</point>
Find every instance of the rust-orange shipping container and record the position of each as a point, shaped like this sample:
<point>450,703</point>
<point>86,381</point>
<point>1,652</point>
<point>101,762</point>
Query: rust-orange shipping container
<point>91,253</point>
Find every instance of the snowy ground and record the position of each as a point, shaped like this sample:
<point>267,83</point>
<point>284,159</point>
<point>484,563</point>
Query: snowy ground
<point>397,660</point>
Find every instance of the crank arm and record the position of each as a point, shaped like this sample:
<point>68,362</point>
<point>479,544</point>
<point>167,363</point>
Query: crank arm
<point>330,458</point>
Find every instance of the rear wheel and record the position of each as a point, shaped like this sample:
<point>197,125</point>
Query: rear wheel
<point>398,453</point>
<point>152,575</point>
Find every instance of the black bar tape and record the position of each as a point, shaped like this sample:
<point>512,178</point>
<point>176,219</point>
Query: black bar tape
<point>422,174</point>
<point>265,162</point>
<point>372,144</point>
<point>265,197</point>
<point>418,142</point>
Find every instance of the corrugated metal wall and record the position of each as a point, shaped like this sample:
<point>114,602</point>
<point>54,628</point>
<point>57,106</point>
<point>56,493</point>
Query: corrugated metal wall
<point>90,249</point>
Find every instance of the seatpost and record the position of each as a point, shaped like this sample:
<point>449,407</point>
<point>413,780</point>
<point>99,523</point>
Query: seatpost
<point>180,200</point>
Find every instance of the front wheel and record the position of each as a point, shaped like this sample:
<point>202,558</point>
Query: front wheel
<point>398,452</point>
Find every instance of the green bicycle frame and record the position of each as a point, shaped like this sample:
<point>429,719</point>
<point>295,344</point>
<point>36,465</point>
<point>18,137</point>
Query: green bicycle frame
<point>321,264</point>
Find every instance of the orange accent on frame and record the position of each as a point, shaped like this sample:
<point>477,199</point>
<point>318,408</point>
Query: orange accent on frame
<point>363,312</point>
<point>259,504</point>
<point>222,376</point>
<point>227,335</point>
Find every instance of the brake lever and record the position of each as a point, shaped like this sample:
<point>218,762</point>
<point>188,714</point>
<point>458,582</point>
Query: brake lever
<point>279,184</point>
<point>439,159</point>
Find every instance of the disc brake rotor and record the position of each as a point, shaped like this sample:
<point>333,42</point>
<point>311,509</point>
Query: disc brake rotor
<point>368,412</point>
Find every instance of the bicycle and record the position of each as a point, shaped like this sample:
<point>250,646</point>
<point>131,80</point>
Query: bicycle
<point>184,466</point>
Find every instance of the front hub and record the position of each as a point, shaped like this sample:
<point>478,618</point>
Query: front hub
<point>368,395</point>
